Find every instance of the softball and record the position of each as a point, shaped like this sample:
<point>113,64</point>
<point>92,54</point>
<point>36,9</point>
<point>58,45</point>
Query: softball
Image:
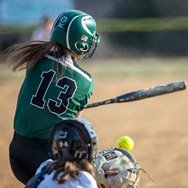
<point>125,142</point>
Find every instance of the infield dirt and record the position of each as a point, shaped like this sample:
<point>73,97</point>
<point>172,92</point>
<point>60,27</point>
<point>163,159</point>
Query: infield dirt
<point>159,127</point>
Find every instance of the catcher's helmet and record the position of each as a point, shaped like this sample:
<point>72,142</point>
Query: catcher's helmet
<point>76,31</point>
<point>73,140</point>
<point>116,168</point>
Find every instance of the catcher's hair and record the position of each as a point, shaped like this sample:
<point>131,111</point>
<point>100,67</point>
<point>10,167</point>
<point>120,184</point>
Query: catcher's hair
<point>70,169</point>
<point>28,54</point>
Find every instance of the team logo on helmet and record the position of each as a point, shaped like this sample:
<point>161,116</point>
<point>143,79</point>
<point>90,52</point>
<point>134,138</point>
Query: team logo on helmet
<point>81,46</point>
<point>83,22</point>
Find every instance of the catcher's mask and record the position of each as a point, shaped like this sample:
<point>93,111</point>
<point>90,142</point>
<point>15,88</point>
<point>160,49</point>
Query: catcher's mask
<point>73,140</point>
<point>76,31</point>
<point>116,168</point>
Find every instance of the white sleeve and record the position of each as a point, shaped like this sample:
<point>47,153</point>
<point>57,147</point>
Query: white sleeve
<point>43,164</point>
<point>87,180</point>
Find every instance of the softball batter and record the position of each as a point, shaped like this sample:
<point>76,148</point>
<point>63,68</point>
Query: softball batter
<point>54,88</point>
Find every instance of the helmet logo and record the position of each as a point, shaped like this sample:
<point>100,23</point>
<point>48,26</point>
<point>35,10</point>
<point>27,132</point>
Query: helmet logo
<point>81,46</point>
<point>63,144</point>
<point>63,135</point>
<point>85,26</point>
<point>79,154</point>
<point>62,21</point>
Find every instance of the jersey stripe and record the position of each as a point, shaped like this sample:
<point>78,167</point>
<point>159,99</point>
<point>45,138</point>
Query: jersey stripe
<point>69,63</point>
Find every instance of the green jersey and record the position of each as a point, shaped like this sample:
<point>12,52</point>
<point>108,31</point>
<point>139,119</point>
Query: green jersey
<point>46,98</point>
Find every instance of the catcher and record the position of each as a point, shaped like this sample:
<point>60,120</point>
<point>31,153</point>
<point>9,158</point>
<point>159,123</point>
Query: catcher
<point>116,168</point>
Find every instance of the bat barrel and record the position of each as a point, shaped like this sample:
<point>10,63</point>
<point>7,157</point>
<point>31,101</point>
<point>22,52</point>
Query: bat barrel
<point>180,85</point>
<point>169,88</point>
<point>142,94</point>
<point>152,92</point>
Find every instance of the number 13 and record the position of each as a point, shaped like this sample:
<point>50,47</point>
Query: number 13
<point>59,106</point>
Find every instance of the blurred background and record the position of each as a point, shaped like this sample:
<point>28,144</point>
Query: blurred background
<point>129,28</point>
<point>143,44</point>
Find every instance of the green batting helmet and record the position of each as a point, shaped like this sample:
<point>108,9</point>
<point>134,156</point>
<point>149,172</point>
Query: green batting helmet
<point>76,31</point>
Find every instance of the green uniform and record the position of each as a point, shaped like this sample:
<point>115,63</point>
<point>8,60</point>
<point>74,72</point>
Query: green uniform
<point>46,99</point>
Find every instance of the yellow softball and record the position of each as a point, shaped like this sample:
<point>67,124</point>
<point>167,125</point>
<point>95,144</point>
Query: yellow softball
<point>125,142</point>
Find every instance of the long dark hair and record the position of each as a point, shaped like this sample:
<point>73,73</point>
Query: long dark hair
<point>28,54</point>
<point>69,169</point>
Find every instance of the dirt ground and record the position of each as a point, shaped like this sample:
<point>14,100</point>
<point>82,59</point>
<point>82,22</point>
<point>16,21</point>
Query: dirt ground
<point>159,127</point>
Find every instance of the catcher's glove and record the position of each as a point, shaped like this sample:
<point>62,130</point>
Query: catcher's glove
<point>116,168</point>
